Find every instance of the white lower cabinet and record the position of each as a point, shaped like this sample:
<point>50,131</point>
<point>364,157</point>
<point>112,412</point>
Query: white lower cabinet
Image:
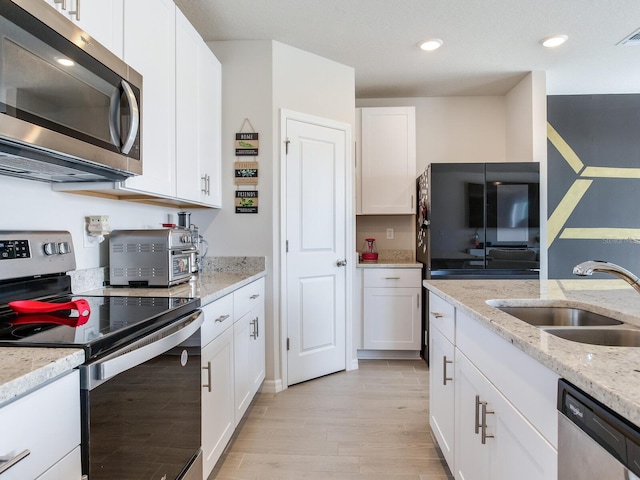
<point>441,391</point>
<point>493,440</point>
<point>44,426</point>
<point>491,406</point>
<point>218,421</point>
<point>391,309</point>
<point>233,365</point>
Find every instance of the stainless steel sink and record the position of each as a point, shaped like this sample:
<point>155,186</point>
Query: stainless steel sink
<point>559,317</point>
<point>613,337</point>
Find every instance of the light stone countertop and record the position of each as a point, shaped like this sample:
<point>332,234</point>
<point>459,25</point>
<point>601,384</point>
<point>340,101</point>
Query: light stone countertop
<point>609,374</point>
<point>24,369</point>
<point>390,264</point>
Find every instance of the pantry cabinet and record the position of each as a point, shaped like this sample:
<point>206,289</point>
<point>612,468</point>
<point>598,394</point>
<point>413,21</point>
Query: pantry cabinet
<point>392,306</point>
<point>44,428</point>
<point>492,407</point>
<point>386,161</point>
<point>102,19</point>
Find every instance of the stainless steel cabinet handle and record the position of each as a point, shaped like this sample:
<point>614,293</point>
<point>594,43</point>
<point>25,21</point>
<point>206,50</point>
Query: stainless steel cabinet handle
<point>436,315</point>
<point>221,318</point>
<point>254,333</point>
<point>204,184</point>
<point>477,426</point>
<point>392,278</point>
<point>208,369</point>
<point>63,2</point>
<point>75,12</point>
<point>254,296</point>
<point>485,412</point>
<point>257,328</point>
<point>444,370</point>
<point>10,463</point>
<point>341,263</point>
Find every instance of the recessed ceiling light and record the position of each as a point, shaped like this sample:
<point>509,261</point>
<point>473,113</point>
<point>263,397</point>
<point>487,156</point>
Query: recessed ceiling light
<point>554,41</point>
<point>431,44</point>
<point>65,62</point>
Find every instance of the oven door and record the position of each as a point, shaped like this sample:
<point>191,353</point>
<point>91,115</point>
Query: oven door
<point>142,410</point>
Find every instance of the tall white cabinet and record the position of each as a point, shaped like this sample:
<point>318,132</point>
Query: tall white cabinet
<point>387,161</point>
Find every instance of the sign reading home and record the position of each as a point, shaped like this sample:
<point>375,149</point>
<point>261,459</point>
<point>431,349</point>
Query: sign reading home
<point>246,144</point>
<point>246,201</point>
<point>246,173</point>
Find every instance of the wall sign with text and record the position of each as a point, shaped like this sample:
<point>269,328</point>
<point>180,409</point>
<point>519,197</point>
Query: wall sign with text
<point>246,201</point>
<point>247,144</point>
<point>246,173</point>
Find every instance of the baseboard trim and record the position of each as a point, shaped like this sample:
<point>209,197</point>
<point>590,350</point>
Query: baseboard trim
<point>272,386</point>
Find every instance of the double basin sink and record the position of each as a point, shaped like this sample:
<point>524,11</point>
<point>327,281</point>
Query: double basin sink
<point>575,324</point>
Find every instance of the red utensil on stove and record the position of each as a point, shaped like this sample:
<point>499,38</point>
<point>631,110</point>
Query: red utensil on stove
<point>36,306</point>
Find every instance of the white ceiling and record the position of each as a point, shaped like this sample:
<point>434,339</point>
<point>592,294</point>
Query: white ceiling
<point>489,45</point>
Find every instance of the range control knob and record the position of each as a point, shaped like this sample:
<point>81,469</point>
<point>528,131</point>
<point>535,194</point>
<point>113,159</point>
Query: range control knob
<point>186,239</point>
<point>64,248</point>
<point>50,248</point>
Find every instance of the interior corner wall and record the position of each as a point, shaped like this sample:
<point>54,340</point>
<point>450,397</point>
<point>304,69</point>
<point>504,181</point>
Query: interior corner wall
<point>593,213</point>
<point>519,139</point>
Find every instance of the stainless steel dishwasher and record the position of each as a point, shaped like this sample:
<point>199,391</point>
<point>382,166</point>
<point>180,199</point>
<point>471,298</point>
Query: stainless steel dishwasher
<point>594,443</point>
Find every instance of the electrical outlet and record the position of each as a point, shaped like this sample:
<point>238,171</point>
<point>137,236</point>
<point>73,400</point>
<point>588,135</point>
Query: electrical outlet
<point>389,233</point>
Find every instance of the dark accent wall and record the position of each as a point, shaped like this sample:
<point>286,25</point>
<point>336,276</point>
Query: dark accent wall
<point>603,131</point>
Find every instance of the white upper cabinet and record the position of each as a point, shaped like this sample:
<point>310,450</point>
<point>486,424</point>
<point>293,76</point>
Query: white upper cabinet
<point>102,19</point>
<point>153,56</point>
<point>198,116</point>
<point>387,166</point>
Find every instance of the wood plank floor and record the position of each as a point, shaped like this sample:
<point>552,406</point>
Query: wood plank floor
<point>371,424</point>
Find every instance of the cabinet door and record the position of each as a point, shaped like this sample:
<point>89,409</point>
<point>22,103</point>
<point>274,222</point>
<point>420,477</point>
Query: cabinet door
<point>242,344</point>
<point>257,350</point>
<point>442,392</point>
<point>392,318</point>
<point>149,47</point>
<point>472,457</point>
<point>218,421</point>
<point>388,165</point>
<point>102,19</point>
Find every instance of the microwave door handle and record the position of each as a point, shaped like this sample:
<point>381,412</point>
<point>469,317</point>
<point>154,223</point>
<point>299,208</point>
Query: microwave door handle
<point>147,351</point>
<point>114,119</point>
<point>134,122</point>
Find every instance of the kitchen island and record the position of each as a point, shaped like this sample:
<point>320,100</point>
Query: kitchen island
<point>609,374</point>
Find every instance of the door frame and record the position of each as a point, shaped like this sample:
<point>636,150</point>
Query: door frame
<point>351,361</point>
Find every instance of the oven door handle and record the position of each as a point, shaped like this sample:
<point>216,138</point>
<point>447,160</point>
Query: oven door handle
<point>142,351</point>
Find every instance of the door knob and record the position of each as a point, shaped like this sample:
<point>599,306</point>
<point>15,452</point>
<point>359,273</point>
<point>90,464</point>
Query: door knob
<point>341,263</point>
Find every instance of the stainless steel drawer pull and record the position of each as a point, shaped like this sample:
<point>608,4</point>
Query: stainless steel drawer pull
<point>485,412</point>
<point>254,296</point>
<point>76,12</point>
<point>63,2</point>
<point>436,314</point>
<point>221,318</point>
<point>208,369</point>
<point>477,426</point>
<point>392,278</point>
<point>444,370</point>
<point>10,463</point>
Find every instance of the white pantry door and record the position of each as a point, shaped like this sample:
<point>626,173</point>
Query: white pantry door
<point>315,260</point>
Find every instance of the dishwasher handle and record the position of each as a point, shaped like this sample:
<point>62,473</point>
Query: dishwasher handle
<point>142,350</point>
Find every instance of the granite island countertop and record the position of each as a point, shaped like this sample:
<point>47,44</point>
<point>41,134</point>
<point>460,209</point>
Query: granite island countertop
<point>390,264</point>
<point>609,374</point>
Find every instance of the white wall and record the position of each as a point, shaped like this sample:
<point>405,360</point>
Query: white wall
<point>259,78</point>
<point>27,204</point>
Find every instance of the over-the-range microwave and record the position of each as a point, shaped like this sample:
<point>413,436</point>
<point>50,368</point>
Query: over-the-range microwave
<point>70,110</point>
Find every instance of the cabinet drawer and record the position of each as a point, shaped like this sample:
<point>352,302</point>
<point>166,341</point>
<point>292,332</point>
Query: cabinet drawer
<point>46,423</point>
<point>218,316</point>
<point>442,316</point>
<point>247,297</point>
<point>392,277</point>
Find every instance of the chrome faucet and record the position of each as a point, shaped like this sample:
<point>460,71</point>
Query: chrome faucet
<point>588,267</point>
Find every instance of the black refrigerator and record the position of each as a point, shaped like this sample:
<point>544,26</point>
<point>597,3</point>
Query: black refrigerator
<point>478,221</point>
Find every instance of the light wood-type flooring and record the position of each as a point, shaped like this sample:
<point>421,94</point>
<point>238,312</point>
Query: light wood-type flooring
<point>371,423</point>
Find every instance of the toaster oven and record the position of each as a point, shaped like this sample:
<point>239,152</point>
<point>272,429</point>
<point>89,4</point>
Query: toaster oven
<point>151,258</point>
